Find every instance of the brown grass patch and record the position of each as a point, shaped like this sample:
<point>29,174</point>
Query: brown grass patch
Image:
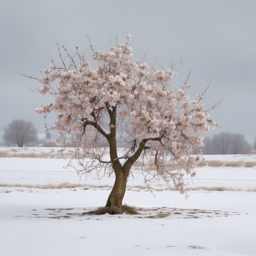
<point>44,186</point>
<point>222,188</point>
<point>58,154</point>
<point>234,164</point>
<point>142,187</point>
<point>55,186</point>
<point>113,210</point>
<point>215,163</point>
<point>203,163</point>
<point>160,215</point>
<point>4,154</point>
<point>130,209</point>
<point>163,215</point>
<point>249,164</point>
<point>217,188</point>
<point>149,217</point>
<point>50,144</point>
<point>59,217</point>
<point>145,188</point>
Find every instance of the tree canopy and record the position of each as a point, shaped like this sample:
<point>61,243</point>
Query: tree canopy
<point>112,97</point>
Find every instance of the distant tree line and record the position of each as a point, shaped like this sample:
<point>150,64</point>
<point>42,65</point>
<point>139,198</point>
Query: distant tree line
<point>227,143</point>
<point>20,133</point>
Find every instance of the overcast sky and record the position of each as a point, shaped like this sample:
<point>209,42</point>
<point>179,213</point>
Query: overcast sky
<point>216,39</point>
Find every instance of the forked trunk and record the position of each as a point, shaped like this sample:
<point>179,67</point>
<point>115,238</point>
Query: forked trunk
<point>116,196</point>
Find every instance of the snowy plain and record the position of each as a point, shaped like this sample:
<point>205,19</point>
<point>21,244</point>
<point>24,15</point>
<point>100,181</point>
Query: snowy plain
<point>37,221</point>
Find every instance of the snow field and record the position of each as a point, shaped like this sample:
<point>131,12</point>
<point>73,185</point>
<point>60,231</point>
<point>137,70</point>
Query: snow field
<point>51,222</point>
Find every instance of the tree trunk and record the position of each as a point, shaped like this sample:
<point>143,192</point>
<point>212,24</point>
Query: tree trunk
<point>116,196</point>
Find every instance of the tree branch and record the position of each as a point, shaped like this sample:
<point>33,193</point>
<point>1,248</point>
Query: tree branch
<point>98,127</point>
<point>136,155</point>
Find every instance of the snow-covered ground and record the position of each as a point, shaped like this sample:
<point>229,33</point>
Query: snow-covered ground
<point>51,171</point>
<point>51,222</point>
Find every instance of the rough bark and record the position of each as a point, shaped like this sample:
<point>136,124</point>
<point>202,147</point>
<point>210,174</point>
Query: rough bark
<point>116,196</point>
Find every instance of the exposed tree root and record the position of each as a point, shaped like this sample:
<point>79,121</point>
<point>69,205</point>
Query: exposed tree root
<point>113,210</point>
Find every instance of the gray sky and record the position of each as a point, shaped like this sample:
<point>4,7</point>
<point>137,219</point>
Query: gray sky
<point>216,39</point>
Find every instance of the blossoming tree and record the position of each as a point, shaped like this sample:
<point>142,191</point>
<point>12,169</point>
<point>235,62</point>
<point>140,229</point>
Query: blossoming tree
<point>113,97</point>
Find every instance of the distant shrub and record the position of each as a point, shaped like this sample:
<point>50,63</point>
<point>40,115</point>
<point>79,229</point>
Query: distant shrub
<point>50,144</point>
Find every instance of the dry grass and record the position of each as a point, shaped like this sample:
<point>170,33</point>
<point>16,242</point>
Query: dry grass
<point>58,154</point>
<point>113,210</point>
<point>218,188</point>
<point>234,164</point>
<point>44,186</point>
<point>249,164</point>
<point>212,163</point>
<point>159,215</point>
<point>130,209</point>
<point>4,154</point>
<point>139,187</point>
<point>74,185</point>
<point>50,144</point>
<point>215,163</point>
<point>213,188</point>
<point>227,164</point>
<point>55,186</point>
<point>202,163</point>
<point>51,154</point>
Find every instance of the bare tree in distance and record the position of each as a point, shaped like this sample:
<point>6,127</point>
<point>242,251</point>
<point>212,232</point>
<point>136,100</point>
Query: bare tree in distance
<point>20,132</point>
<point>222,142</point>
<point>254,144</point>
<point>121,98</point>
<point>239,144</point>
<point>226,143</point>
